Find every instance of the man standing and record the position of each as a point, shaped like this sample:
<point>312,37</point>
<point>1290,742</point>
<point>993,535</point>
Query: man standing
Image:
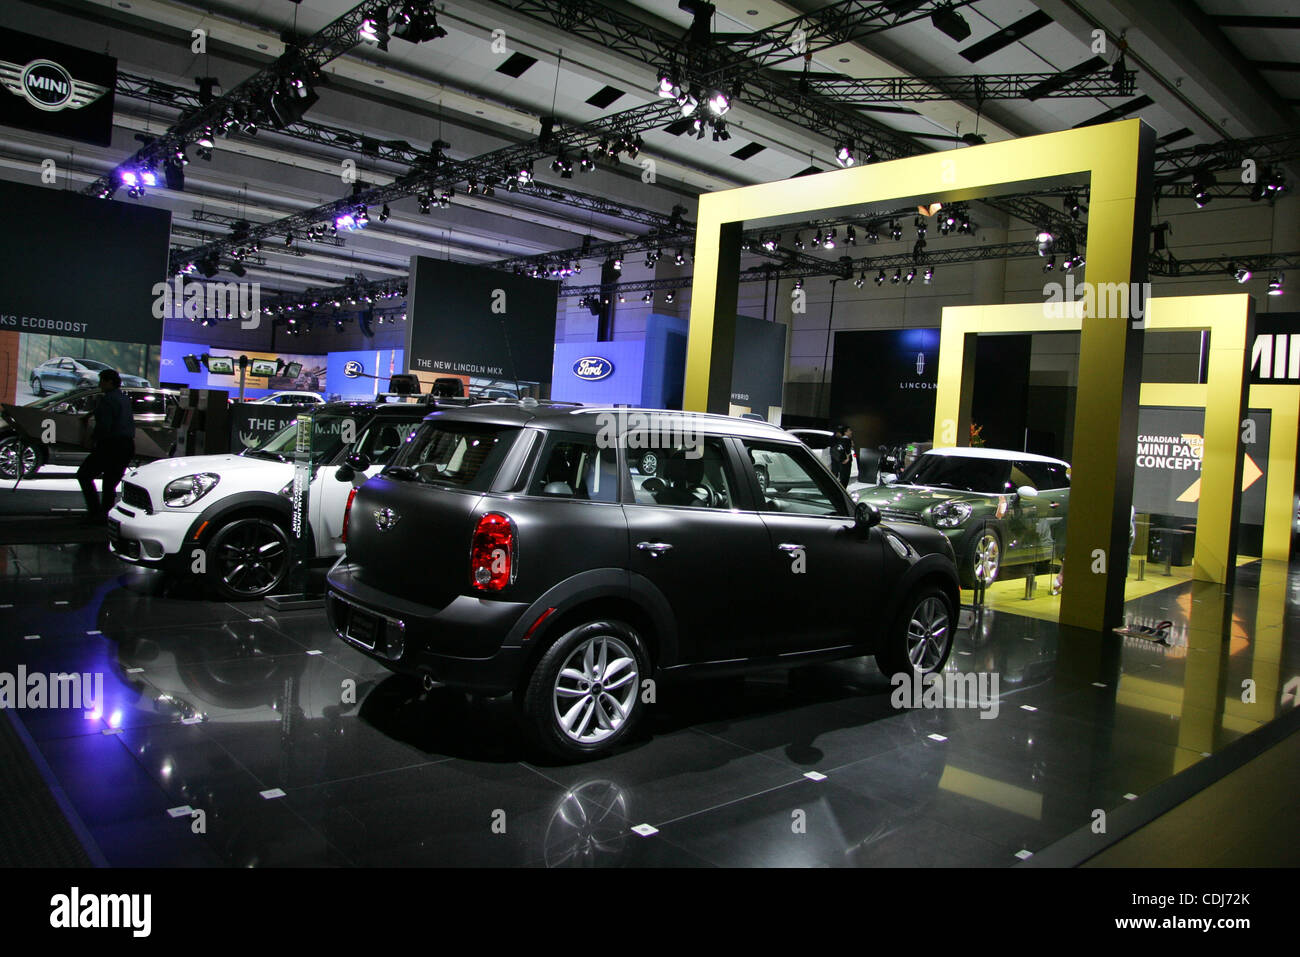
<point>114,438</point>
<point>841,454</point>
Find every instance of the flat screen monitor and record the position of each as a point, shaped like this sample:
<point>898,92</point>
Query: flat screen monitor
<point>263,367</point>
<point>221,365</point>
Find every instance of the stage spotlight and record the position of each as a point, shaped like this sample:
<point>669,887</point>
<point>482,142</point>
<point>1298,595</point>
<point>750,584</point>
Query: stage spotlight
<point>719,103</point>
<point>880,278</point>
<point>850,236</point>
<point>928,276</point>
<point>1275,285</point>
<point>425,201</point>
<point>911,274</point>
<point>948,21</point>
<point>1049,264</point>
<point>680,258</point>
<point>670,297</point>
<point>798,284</point>
<point>895,231</point>
<point>1046,241</point>
<point>897,277</point>
<point>648,297</point>
<point>417,22</point>
<point>829,242</point>
<point>1241,274</point>
<point>669,89</point>
<point>1201,184</point>
<point>862,278</point>
<point>798,241</point>
<point>844,154</point>
<point>384,214</point>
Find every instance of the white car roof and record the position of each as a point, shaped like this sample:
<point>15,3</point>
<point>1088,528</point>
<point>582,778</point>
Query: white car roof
<point>987,453</point>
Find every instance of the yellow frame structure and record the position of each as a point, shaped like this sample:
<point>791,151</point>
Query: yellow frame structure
<point>1230,321</point>
<point>1116,160</point>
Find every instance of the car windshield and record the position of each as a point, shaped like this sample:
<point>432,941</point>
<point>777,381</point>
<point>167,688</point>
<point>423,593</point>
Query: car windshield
<point>961,472</point>
<point>327,438</point>
<point>92,364</point>
<point>454,454</point>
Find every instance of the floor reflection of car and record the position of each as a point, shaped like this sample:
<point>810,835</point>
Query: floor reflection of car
<point>550,568</point>
<point>153,410</point>
<point>998,507</point>
<point>237,509</point>
<point>65,372</point>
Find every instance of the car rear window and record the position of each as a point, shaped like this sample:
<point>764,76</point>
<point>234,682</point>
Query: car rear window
<point>462,455</point>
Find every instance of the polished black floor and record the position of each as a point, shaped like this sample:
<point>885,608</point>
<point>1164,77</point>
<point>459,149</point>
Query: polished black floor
<point>299,751</point>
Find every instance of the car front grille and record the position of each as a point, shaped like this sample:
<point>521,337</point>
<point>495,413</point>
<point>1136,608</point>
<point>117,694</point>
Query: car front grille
<point>136,497</point>
<point>898,515</point>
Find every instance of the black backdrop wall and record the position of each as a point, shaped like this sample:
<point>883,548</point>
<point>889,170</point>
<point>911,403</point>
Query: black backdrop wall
<point>487,327</point>
<point>882,385</point>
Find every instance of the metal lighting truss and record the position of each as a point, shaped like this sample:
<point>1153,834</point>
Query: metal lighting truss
<point>303,58</point>
<point>740,61</point>
<point>975,89</point>
<point>398,152</point>
<point>1169,267</point>
<point>503,165</point>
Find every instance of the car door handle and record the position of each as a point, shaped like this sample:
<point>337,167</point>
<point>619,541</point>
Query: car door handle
<point>789,547</point>
<point>654,548</point>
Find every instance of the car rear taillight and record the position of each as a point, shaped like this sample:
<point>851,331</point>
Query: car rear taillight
<point>347,512</point>
<point>492,553</point>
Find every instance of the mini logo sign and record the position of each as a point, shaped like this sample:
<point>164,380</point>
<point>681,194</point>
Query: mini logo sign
<point>385,518</point>
<point>353,369</point>
<point>593,368</point>
<point>48,86</point>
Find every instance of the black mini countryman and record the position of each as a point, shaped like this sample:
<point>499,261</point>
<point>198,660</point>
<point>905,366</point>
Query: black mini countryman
<point>517,548</point>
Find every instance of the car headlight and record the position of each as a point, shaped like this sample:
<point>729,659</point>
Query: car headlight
<point>854,495</point>
<point>950,514</point>
<point>188,489</point>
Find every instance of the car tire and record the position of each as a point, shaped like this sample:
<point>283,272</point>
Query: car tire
<point>649,463</point>
<point>38,388</point>
<point>920,640</point>
<point>12,449</point>
<point>249,558</point>
<point>983,547</point>
<point>572,702</point>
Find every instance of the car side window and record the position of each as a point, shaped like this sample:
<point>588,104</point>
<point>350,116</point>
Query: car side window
<point>146,403</point>
<point>572,466</point>
<point>814,441</point>
<point>1045,476</point>
<point>383,439</point>
<point>690,472</point>
<point>789,480</point>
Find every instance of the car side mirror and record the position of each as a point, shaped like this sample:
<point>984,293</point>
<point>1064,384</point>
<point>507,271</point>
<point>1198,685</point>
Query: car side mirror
<point>865,516</point>
<point>357,461</point>
<point>345,473</point>
<point>1027,491</point>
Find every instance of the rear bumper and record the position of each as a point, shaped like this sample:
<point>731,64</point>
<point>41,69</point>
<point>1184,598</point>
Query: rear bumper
<point>463,644</point>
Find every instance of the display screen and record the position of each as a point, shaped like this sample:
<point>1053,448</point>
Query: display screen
<point>293,370</point>
<point>221,365</point>
<point>264,367</point>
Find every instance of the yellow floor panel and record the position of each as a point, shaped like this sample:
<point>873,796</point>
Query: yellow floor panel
<point>1009,595</point>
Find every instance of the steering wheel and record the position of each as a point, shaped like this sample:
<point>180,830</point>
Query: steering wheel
<point>709,498</point>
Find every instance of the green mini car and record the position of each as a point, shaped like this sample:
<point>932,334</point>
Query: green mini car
<point>997,507</point>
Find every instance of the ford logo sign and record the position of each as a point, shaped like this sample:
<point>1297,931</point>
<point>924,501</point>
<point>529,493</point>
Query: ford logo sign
<point>593,368</point>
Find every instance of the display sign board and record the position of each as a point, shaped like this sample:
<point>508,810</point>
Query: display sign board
<point>252,424</point>
<point>76,290</point>
<point>883,385</point>
<point>494,327</point>
<point>1167,480</point>
<point>1275,353</point>
<point>302,484</point>
<point>758,366</point>
<point>56,89</point>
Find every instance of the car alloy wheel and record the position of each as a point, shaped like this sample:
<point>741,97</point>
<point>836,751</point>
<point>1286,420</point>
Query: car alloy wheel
<point>986,557</point>
<point>649,464</point>
<point>928,635</point>
<point>15,454</point>
<point>249,558</point>
<point>37,387</point>
<point>595,691</point>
